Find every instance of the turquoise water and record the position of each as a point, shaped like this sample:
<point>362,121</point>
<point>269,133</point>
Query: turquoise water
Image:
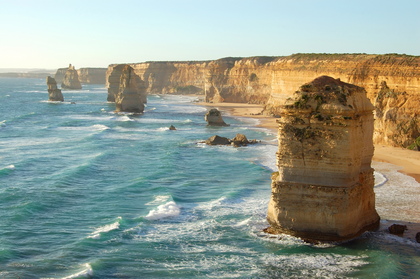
<point>87,193</point>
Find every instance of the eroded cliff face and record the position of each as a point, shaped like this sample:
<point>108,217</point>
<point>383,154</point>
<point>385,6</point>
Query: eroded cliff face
<point>92,75</point>
<point>271,80</point>
<point>86,75</point>
<point>324,187</point>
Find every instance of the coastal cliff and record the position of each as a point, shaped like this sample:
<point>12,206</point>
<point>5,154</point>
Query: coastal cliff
<point>86,75</point>
<point>271,80</point>
<point>92,75</point>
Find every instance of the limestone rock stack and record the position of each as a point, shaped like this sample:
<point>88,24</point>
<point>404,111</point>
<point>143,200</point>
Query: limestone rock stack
<point>324,187</point>
<point>71,79</point>
<point>114,81</point>
<point>54,94</point>
<point>214,118</point>
<point>131,95</point>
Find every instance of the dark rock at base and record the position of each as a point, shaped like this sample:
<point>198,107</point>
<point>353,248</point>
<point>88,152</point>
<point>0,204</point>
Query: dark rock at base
<point>214,118</point>
<point>217,140</point>
<point>418,237</point>
<point>172,128</point>
<point>397,229</point>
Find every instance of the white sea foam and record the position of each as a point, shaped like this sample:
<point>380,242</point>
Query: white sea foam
<point>315,265</point>
<point>107,228</point>
<point>10,167</point>
<point>167,210</point>
<point>380,179</point>
<point>3,123</point>
<point>99,127</point>
<point>266,156</point>
<point>125,118</point>
<point>160,199</point>
<point>397,197</point>
<point>87,272</point>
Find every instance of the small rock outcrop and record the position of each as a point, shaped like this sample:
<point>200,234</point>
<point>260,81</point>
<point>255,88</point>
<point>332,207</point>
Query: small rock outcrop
<point>217,140</point>
<point>214,118</point>
<point>323,190</point>
<point>54,94</point>
<point>238,141</point>
<point>172,128</point>
<point>71,79</point>
<point>131,95</point>
<point>397,229</point>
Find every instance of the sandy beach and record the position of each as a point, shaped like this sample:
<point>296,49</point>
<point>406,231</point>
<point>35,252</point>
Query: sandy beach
<point>408,160</point>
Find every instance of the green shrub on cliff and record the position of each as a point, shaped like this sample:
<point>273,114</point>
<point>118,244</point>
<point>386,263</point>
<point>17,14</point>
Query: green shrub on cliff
<point>415,145</point>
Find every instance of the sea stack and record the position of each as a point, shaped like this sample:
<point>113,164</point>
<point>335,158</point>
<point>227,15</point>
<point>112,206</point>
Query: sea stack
<point>71,79</point>
<point>214,118</point>
<point>132,94</point>
<point>54,94</point>
<point>114,81</point>
<point>323,190</point>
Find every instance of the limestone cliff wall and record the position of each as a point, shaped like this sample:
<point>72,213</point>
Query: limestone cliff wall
<point>271,80</point>
<point>92,75</point>
<point>86,75</point>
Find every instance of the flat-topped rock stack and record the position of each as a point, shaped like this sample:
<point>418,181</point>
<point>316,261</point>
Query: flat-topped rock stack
<point>324,187</point>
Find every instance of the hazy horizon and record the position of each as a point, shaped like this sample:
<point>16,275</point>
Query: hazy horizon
<point>49,35</point>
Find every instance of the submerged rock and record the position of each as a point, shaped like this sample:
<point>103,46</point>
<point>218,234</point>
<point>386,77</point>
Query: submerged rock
<point>324,187</point>
<point>54,94</point>
<point>71,79</point>
<point>214,118</point>
<point>131,95</point>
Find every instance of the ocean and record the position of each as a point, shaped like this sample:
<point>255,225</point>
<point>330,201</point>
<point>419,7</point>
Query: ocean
<point>88,193</point>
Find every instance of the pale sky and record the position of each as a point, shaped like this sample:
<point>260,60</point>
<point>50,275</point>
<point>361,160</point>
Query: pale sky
<point>95,33</point>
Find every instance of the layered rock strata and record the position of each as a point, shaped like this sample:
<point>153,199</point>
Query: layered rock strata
<point>86,75</point>
<point>54,94</point>
<point>92,75</point>
<point>324,187</point>
<point>132,94</point>
<point>71,79</point>
<point>113,81</point>
<point>271,80</point>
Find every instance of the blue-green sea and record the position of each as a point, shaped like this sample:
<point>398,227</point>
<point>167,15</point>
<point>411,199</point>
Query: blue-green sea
<point>88,193</point>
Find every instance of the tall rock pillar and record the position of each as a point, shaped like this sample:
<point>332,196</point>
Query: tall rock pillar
<point>132,94</point>
<point>114,81</point>
<point>324,187</point>
<point>71,79</point>
<point>54,94</point>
